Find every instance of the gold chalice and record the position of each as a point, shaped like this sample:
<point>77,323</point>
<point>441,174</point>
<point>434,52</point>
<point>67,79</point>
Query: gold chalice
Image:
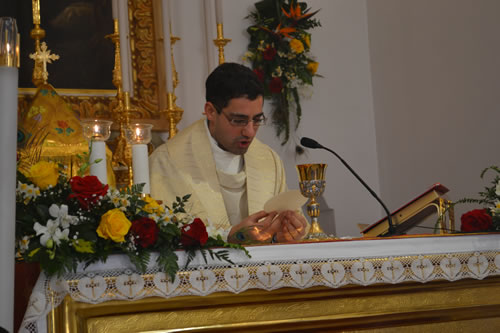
<point>312,184</point>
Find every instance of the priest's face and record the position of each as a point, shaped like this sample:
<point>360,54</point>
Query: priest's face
<point>236,125</point>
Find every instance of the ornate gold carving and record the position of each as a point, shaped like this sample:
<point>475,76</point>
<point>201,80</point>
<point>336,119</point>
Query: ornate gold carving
<point>144,61</point>
<point>424,307</point>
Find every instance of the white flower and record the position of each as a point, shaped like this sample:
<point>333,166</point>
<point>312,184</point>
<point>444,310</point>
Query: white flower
<point>28,192</point>
<point>61,215</point>
<point>24,244</point>
<point>214,232</point>
<point>50,232</point>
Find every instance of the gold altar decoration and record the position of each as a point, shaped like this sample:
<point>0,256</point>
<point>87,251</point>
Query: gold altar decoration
<point>463,306</point>
<point>312,184</point>
<point>37,33</point>
<point>145,45</point>
<point>173,113</point>
<point>221,42</point>
<point>122,157</point>
<point>50,130</point>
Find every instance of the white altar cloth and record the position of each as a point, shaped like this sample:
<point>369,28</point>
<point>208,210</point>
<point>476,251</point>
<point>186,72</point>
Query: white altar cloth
<point>330,263</point>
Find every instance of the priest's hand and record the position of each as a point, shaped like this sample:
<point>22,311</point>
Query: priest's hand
<point>293,227</point>
<point>256,228</point>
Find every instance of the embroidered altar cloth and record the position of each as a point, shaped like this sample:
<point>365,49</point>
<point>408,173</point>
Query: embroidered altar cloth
<point>303,265</point>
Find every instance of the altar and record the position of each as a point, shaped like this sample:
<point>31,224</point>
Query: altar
<point>419,283</point>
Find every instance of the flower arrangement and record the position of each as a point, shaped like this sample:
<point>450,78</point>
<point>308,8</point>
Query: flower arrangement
<point>279,52</point>
<point>61,223</point>
<point>486,219</point>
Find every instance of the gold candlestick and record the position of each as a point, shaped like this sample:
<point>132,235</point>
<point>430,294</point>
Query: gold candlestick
<point>221,42</point>
<point>37,33</point>
<point>173,114</point>
<point>122,154</point>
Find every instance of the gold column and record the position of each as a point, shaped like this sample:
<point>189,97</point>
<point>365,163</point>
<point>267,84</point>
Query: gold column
<point>37,33</point>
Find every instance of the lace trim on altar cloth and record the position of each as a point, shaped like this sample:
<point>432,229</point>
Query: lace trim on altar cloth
<point>126,284</point>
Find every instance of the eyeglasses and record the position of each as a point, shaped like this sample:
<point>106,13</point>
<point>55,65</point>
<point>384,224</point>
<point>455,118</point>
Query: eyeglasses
<point>243,122</point>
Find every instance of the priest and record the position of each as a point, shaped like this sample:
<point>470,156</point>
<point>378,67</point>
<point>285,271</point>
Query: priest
<point>229,173</point>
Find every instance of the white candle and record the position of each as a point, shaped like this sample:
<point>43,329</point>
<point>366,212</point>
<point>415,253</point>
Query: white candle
<point>140,166</point>
<point>98,151</point>
<point>8,128</point>
<point>124,44</point>
<point>9,76</point>
<point>218,11</point>
<point>114,8</point>
<point>166,35</point>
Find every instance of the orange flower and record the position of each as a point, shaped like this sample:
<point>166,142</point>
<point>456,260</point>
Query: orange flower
<point>281,31</point>
<point>295,13</point>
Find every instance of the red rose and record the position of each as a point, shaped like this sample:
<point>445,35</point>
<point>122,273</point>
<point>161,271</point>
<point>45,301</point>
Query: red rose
<point>260,74</point>
<point>269,53</point>
<point>146,231</point>
<point>275,85</point>
<point>194,233</point>
<point>476,220</point>
<point>87,190</point>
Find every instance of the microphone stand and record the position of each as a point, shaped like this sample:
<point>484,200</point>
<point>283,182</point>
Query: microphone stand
<point>313,144</point>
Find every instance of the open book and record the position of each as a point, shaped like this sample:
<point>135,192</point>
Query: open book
<point>410,214</point>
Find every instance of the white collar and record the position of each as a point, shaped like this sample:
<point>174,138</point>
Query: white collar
<point>224,160</point>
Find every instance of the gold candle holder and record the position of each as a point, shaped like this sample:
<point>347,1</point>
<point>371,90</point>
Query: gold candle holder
<point>312,184</point>
<point>173,114</point>
<point>221,42</point>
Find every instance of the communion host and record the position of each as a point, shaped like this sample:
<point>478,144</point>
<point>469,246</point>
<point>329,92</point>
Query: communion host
<point>228,172</point>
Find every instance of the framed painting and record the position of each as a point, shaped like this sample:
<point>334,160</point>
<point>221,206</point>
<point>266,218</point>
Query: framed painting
<point>76,31</point>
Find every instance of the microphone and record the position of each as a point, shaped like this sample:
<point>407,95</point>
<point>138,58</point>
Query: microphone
<point>311,143</point>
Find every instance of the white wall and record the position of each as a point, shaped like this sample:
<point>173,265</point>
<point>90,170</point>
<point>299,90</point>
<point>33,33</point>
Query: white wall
<point>409,95</point>
<point>339,114</point>
<point>436,77</point>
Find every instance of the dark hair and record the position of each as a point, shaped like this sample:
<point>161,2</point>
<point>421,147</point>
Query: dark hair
<point>231,80</point>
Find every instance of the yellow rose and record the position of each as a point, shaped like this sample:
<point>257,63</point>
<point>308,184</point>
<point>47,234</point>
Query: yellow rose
<point>296,46</point>
<point>43,174</point>
<point>152,206</point>
<point>114,225</point>
<point>312,67</point>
